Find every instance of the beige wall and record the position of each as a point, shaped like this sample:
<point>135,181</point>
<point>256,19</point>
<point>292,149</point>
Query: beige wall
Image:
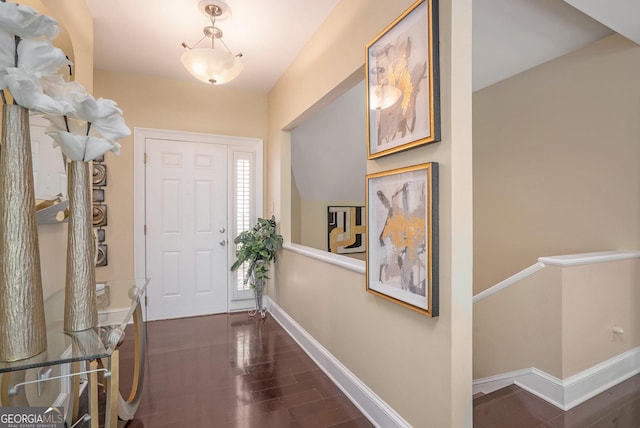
<point>556,161</point>
<point>594,299</point>
<point>520,327</point>
<point>150,102</point>
<point>559,320</point>
<point>419,366</point>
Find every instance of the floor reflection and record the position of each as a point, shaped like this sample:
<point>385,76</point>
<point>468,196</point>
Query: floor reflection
<point>233,370</point>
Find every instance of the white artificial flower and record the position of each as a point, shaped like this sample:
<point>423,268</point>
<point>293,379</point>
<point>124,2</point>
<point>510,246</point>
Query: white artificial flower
<point>7,55</point>
<point>25,57</point>
<point>85,115</point>
<point>41,56</point>
<point>27,91</point>
<point>82,147</point>
<point>112,127</point>
<point>89,127</point>
<point>36,59</point>
<point>26,23</point>
<point>60,123</point>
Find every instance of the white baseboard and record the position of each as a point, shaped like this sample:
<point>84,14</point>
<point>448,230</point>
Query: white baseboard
<point>373,407</point>
<point>568,393</point>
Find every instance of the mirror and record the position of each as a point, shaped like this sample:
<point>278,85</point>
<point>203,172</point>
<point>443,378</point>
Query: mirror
<point>49,175</point>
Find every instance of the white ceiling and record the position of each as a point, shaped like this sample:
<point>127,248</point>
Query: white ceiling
<point>509,37</point>
<point>145,36</point>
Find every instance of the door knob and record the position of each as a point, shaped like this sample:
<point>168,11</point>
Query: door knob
<point>222,230</point>
<point>223,242</point>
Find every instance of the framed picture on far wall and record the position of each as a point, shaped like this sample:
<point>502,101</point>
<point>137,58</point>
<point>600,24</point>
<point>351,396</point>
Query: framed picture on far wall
<point>402,81</point>
<point>346,229</point>
<point>402,240</point>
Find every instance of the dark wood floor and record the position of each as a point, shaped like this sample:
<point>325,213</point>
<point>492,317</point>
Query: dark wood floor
<point>233,371</point>
<point>512,406</point>
<point>238,371</point>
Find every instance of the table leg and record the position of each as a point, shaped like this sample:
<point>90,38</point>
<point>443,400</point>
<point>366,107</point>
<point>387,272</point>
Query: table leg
<point>93,393</point>
<point>74,400</point>
<point>113,391</point>
<point>9,380</point>
<point>127,408</point>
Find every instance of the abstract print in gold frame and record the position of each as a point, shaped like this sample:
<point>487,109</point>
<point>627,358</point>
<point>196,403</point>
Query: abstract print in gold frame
<point>402,238</point>
<point>402,82</point>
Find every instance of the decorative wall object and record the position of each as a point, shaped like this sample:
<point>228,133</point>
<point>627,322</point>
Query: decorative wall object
<point>99,174</point>
<point>101,259</point>
<point>22,322</point>
<point>402,243</point>
<point>80,311</point>
<point>99,215</point>
<point>98,195</point>
<point>346,229</point>
<point>100,208</point>
<point>402,79</point>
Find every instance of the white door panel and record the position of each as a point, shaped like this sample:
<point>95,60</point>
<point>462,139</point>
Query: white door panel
<point>186,208</point>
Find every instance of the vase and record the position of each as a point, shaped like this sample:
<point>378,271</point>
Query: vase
<point>22,322</point>
<point>80,305</point>
<point>259,291</point>
<point>258,288</point>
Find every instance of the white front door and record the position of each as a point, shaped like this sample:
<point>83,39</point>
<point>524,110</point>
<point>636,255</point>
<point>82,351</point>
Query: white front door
<point>186,222</point>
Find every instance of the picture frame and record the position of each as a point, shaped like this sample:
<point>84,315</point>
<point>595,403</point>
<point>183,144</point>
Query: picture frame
<point>346,229</point>
<point>402,239</point>
<point>402,82</point>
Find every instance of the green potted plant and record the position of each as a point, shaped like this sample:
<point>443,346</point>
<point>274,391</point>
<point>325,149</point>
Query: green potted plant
<point>257,247</point>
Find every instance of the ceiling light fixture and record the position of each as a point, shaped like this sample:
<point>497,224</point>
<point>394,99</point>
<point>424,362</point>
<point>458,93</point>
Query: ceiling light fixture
<point>382,95</point>
<point>210,64</point>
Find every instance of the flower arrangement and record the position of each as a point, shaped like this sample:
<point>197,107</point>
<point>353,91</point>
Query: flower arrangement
<point>83,127</point>
<point>257,247</point>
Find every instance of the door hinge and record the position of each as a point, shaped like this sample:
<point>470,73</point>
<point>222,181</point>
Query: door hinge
<point>145,157</point>
<point>145,229</point>
<point>146,301</point>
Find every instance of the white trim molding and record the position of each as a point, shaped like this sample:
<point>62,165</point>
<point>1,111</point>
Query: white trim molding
<point>562,261</point>
<point>235,145</point>
<point>345,262</point>
<point>373,407</point>
<point>589,258</point>
<point>568,393</point>
<point>508,282</point>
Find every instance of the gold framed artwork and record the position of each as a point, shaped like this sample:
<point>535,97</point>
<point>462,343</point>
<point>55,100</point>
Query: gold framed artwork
<point>402,82</point>
<point>402,238</point>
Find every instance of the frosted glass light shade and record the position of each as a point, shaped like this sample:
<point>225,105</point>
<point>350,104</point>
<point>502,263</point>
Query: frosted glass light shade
<point>383,96</point>
<point>212,66</point>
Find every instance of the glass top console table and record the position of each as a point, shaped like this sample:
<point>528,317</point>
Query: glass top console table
<point>119,303</point>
